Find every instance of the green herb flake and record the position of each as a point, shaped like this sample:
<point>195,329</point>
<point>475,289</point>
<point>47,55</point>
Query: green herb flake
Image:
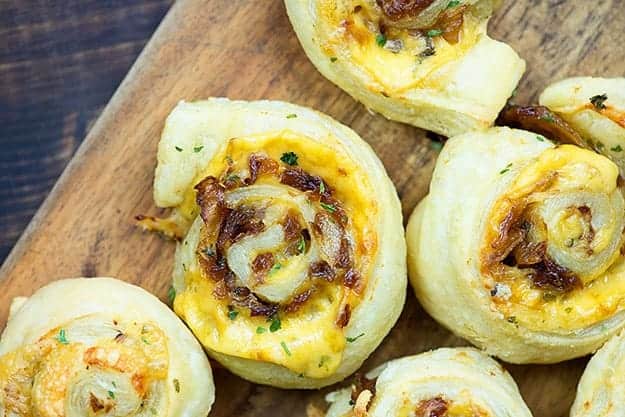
<point>111,395</point>
<point>323,360</point>
<point>197,149</point>
<point>548,118</point>
<point>599,145</point>
<point>301,245</point>
<point>260,330</point>
<point>432,33</point>
<point>380,39</point>
<point>453,3</point>
<point>436,145</point>
<point>322,187</point>
<point>276,267</point>
<point>276,325</point>
<point>328,207</point>
<point>285,348</point>
<point>512,319</point>
<point>540,138</point>
<point>291,116</point>
<point>506,169</point>
<point>598,101</point>
<point>333,59</point>
<point>176,385</point>
<point>62,337</point>
<point>178,148</point>
<point>171,295</point>
<point>617,148</point>
<point>232,313</point>
<point>289,158</point>
<point>145,341</point>
<point>353,339</point>
<point>113,384</point>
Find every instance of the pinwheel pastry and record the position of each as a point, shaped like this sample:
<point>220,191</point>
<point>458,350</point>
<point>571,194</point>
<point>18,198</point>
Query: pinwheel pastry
<point>293,269</point>
<point>600,390</point>
<point>448,382</point>
<point>429,63</point>
<point>519,246</point>
<point>595,109</point>
<point>100,347</point>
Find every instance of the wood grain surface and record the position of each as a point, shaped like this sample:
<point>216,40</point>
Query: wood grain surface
<point>245,50</point>
<point>60,62</point>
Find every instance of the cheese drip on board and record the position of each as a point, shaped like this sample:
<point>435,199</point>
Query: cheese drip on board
<point>447,382</point>
<point>283,264</point>
<point>535,247</point>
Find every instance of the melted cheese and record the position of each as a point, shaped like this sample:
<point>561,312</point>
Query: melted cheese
<point>309,342</point>
<point>355,38</point>
<point>603,295</point>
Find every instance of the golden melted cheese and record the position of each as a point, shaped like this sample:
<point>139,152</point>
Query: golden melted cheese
<point>355,37</point>
<point>602,295</point>
<point>309,341</point>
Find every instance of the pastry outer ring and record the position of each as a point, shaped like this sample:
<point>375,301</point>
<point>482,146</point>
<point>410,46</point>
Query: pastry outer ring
<point>67,299</point>
<point>444,235</point>
<point>211,122</point>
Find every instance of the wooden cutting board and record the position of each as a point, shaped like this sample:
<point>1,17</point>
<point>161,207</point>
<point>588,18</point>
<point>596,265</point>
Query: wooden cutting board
<point>247,50</point>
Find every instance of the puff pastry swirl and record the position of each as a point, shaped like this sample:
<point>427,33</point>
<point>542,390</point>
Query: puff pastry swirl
<point>600,390</point>
<point>519,246</point>
<point>99,346</point>
<point>293,269</point>
<point>426,63</point>
<point>458,382</point>
<point>595,108</point>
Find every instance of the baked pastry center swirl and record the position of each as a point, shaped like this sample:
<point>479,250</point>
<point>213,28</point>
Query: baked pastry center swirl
<point>279,250</point>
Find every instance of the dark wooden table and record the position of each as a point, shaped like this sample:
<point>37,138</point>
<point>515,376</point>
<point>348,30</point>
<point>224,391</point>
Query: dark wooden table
<point>60,62</point>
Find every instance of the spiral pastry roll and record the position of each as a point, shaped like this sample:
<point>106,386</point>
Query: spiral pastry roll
<point>293,269</point>
<point>447,382</point>
<point>100,347</point>
<point>519,246</point>
<point>595,108</point>
<point>600,390</point>
<point>427,63</point>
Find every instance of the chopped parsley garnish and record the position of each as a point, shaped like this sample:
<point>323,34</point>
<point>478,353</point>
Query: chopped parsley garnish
<point>171,294</point>
<point>275,267</point>
<point>432,33</point>
<point>437,146</point>
<point>111,395</point>
<point>598,101</point>
<point>276,324</point>
<point>114,384</point>
<point>548,118</point>
<point>322,188</point>
<point>540,138</point>
<point>197,149</point>
<point>289,158</point>
<point>145,341</point>
<point>178,148</point>
<point>599,145</point>
<point>328,207</point>
<point>291,116</point>
<point>176,385</point>
<point>617,148</point>
<point>301,245</point>
<point>353,339</point>
<point>323,360</point>
<point>333,59</point>
<point>260,330</point>
<point>285,348</point>
<point>506,169</point>
<point>232,313</point>
<point>453,3</point>
<point>380,39</point>
<point>62,337</point>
